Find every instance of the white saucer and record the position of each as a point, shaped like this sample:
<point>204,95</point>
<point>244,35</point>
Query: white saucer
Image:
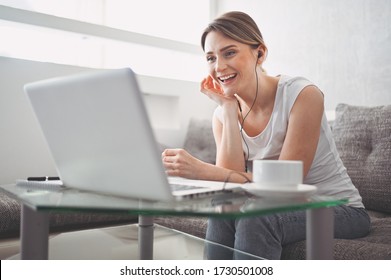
<point>300,190</point>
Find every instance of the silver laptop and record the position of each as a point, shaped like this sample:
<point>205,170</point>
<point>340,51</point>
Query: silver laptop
<point>98,131</point>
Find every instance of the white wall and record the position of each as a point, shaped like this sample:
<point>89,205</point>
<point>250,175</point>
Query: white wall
<point>344,46</point>
<point>23,152</point>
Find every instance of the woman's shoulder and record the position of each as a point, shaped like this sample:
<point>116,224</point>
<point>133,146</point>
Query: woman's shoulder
<point>294,82</point>
<point>291,87</point>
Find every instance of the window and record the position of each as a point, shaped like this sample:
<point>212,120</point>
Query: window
<point>156,38</point>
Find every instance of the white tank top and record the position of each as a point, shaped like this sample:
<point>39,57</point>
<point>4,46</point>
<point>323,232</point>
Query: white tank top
<point>327,171</point>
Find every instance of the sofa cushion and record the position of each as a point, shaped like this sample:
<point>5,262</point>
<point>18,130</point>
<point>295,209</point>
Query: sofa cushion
<point>363,139</point>
<point>199,140</point>
<point>10,216</point>
<point>192,225</point>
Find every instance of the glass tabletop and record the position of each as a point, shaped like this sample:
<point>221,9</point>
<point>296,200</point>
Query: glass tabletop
<point>230,205</point>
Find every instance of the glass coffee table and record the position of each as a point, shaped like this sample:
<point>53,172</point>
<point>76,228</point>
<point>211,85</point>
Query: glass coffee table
<point>120,242</point>
<point>38,203</point>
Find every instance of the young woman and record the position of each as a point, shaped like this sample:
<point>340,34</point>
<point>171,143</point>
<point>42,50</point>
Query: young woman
<point>265,117</point>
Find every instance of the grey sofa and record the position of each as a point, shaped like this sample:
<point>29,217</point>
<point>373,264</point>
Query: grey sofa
<point>363,138</point>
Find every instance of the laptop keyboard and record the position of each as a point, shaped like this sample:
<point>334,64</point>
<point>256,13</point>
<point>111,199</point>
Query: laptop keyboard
<point>179,187</point>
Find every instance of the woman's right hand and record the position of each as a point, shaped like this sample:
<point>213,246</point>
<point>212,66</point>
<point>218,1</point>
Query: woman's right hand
<point>179,162</point>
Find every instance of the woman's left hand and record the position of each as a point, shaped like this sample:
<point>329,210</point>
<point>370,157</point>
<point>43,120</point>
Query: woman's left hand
<point>179,162</point>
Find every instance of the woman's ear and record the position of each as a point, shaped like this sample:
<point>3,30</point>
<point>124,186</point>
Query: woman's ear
<point>261,55</point>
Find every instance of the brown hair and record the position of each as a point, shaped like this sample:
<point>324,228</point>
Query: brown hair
<point>238,26</point>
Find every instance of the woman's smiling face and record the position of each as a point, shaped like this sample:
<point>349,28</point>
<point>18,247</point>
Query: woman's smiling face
<point>230,63</point>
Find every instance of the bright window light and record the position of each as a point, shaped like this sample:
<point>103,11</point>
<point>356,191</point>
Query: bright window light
<point>172,19</point>
<point>44,44</point>
<point>169,19</point>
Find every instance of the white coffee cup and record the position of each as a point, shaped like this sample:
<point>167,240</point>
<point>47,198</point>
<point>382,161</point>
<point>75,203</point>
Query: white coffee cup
<point>278,173</point>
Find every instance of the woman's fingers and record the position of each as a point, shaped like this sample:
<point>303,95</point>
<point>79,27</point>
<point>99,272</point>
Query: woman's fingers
<point>209,85</point>
<point>217,86</point>
<point>178,162</point>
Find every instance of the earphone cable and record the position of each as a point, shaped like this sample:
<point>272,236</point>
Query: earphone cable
<point>244,118</point>
<point>247,180</point>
